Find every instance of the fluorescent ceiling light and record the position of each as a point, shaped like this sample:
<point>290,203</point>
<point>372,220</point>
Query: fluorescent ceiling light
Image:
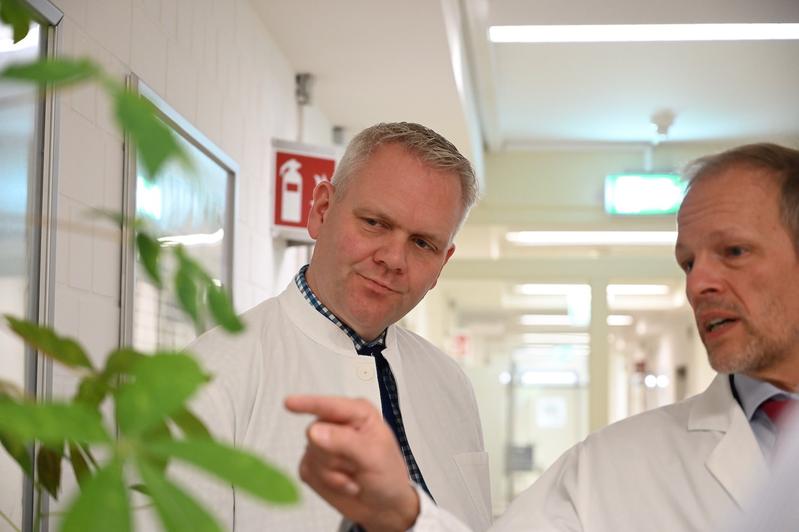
<point>551,289</point>
<point>592,238</point>
<point>555,338</point>
<point>642,33</point>
<point>546,319</point>
<point>549,378</point>
<point>619,320</point>
<point>193,240</point>
<point>637,290</point>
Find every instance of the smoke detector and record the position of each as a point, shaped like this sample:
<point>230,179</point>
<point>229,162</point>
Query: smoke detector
<point>662,121</point>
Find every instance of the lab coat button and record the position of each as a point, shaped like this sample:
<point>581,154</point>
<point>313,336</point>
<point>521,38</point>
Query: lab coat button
<point>365,373</point>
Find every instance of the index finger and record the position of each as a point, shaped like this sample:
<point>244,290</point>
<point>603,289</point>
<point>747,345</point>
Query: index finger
<point>330,408</point>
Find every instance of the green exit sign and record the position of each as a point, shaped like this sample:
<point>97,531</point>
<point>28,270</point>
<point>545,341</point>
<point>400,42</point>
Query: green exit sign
<point>643,194</point>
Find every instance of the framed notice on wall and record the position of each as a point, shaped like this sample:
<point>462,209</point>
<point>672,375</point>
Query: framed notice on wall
<point>296,170</point>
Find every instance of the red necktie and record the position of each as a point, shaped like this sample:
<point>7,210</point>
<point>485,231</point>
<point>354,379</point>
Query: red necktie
<point>776,409</point>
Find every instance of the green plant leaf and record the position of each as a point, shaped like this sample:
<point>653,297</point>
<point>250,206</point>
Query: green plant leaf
<point>141,488</point>
<point>190,424</point>
<point>161,385</point>
<point>79,465</point>
<point>55,71</point>
<point>92,390</point>
<point>178,511</point>
<point>242,469</point>
<point>157,433</point>
<point>188,295</point>
<point>16,14</point>
<point>102,504</point>
<point>192,267</point>
<point>118,218</point>
<point>150,251</point>
<point>121,362</point>
<point>18,452</point>
<point>48,468</point>
<point>222,309</point>
<point>52,423</point>
<point>64,350</point>
<point>155,142</point>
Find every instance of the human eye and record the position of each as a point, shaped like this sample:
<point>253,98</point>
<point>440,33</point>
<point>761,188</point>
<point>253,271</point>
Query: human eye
<point>421,243</point>
<point>735,251</point>
<point>370,222</point>
<point>684,260</point>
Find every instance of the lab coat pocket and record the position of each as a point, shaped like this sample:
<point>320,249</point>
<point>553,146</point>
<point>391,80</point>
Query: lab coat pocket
<point>473,468</point>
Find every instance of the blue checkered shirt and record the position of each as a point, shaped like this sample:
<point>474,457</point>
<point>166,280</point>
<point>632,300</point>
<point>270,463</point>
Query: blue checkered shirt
<point>389,399</point>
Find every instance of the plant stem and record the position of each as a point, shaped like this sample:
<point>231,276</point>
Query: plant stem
<point>37,522</point>
<point>8,520</point>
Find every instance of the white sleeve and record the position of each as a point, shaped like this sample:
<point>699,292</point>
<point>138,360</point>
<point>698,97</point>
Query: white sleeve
<point>433,519</point>
<point>552,503</point>
<point>212,406</point>
<point>549,505</point>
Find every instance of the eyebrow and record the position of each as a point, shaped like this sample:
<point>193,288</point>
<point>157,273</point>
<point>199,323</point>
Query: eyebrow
<point>721,234</point>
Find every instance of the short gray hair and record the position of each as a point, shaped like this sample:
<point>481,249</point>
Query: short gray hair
<point>781,163</point>
<point>432,149</point>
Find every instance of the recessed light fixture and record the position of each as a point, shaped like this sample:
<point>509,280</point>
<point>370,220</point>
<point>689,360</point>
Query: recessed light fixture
<point>549,378</point>
<point>619,320</point>
<point>546,319</point>
<point>637,290</point>
<point>556,338</point>
<point>552,289</point>
<point>592,238</point>
<point>593,33</point>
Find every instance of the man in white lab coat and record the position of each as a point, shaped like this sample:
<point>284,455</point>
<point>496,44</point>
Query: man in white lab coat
<point>384,229</point>
<point>688,466</point>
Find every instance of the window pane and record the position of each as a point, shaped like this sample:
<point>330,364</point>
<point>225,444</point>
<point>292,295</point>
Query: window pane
<point>188,207</point>
<point>19,131</point>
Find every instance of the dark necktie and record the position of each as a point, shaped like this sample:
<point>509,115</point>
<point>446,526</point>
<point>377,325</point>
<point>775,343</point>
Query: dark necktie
<point>389,403</point>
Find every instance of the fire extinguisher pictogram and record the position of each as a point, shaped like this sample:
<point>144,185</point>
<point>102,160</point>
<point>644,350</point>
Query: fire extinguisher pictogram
<point>291,193</point>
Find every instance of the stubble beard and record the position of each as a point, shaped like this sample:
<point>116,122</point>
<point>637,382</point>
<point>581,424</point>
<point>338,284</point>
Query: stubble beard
<point>760,352</point>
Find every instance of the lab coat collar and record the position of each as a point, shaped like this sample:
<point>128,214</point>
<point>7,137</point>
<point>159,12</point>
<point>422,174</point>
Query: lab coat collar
<point>736,462</point>
<point>319,328</point>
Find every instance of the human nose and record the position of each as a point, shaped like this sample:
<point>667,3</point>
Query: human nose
<point>391,253</point>
<point>704,278</point>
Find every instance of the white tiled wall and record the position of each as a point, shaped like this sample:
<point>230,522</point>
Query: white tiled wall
<point>215,63</point>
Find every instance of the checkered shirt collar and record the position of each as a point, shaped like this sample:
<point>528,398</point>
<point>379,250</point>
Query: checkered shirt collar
<point>359,343</point>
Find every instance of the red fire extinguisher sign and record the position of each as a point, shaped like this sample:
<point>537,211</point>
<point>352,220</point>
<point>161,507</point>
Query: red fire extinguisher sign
<point>298,168</point>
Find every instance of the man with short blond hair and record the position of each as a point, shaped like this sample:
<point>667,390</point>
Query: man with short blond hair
<point>384,228</point>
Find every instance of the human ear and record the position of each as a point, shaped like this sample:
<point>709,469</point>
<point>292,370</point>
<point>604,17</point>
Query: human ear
<point>322,199</point>
<point>450,251</point>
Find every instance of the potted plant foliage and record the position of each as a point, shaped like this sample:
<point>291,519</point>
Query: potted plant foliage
<point>146,392</point>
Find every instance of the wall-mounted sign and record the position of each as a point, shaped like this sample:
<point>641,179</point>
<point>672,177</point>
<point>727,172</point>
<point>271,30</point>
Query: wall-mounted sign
<point>643,194</point>
<point>297,169</point>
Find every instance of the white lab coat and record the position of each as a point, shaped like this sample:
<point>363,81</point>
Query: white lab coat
<point>288,348</point>
<point>689,466</point>
<point>775,504</point>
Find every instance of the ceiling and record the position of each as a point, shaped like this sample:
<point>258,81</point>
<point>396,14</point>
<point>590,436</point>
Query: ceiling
<point>431,61</point>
